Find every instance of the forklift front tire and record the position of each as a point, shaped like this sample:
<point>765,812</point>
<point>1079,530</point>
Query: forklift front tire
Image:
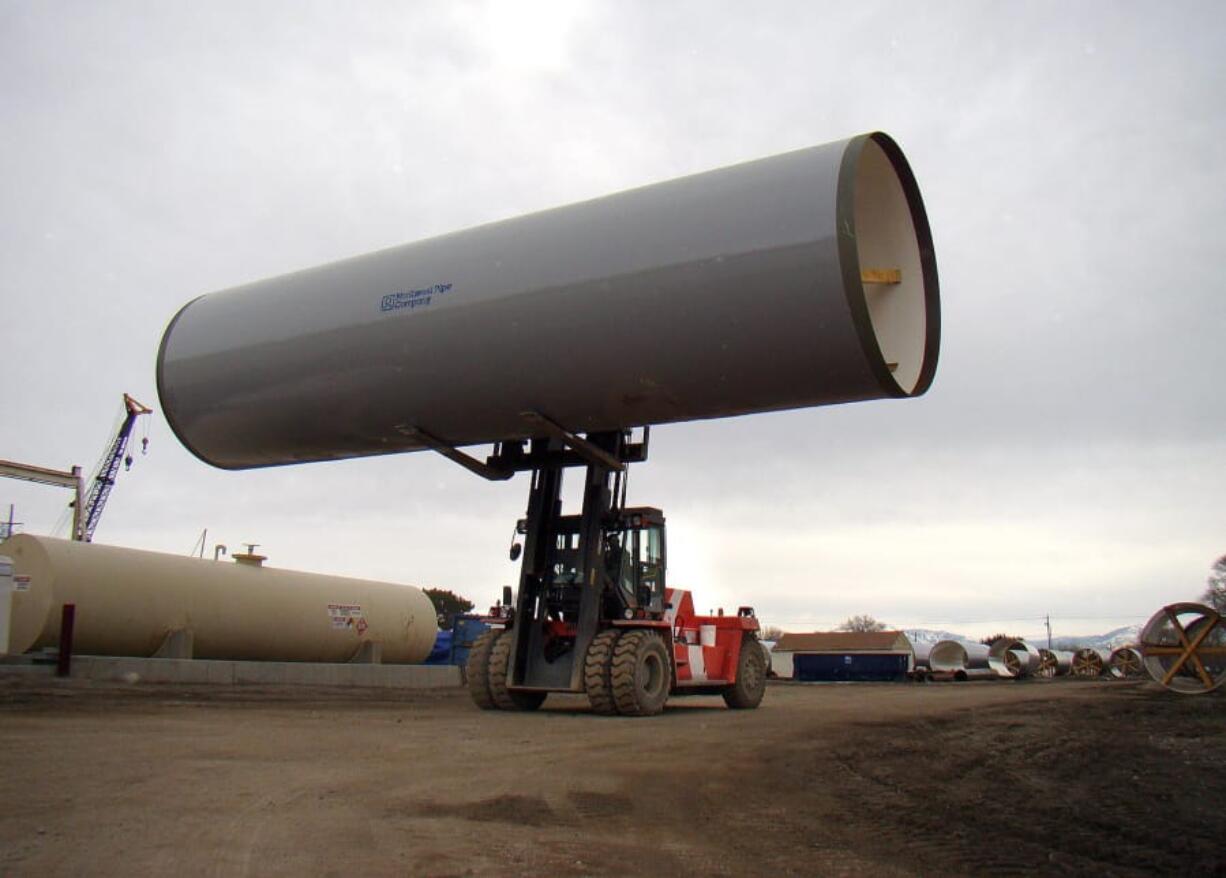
<point>642,673</point>
<point>500,662</point>
<point>597,672</point>
<point>477,669</point>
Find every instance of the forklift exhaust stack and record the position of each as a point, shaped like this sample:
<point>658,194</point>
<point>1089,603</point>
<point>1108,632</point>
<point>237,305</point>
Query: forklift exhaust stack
<point>799,280</point>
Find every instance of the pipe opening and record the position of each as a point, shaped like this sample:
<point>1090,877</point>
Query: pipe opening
<point>947,655</point>
<point>895,271</point>
<point>886,241</point>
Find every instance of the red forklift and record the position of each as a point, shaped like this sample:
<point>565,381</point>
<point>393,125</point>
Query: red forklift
<point>593,614</point>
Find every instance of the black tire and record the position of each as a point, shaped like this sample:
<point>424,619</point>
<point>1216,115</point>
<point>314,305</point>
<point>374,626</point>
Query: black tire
<point>598,670</point>
<point>500,662</point>
<point>746,693</point>
<point>477,669</point>
<point>641,674</point>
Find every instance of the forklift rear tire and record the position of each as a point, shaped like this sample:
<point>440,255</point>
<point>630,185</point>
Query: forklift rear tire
<point>597,672</point>
<point>641,673</point>
<point>746,693</point>
<point>477,669</point>
<point>500,662</point>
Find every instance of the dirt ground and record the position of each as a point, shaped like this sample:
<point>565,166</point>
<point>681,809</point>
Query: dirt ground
<point>1052,778</point>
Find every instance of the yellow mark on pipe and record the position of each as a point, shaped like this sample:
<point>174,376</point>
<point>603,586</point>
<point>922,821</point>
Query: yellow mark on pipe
<point>881,275</point>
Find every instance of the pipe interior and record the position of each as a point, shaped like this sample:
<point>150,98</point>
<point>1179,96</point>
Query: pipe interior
<point>947,656</point>
<point>886,239</point>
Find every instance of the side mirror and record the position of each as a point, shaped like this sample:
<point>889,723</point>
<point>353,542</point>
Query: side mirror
<point>516,551</point>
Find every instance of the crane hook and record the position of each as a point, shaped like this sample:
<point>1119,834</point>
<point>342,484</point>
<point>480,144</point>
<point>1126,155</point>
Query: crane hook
<point>144,445</point>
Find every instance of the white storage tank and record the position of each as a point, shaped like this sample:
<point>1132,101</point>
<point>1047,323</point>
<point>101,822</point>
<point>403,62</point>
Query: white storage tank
<point>129,601</point>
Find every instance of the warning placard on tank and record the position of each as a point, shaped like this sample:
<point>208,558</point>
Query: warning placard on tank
<point>347,616</point>
<point>21,582</point>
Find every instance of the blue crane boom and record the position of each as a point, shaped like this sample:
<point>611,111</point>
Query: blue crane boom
<point>100,490</point>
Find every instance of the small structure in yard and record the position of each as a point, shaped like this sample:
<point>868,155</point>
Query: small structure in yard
<point>831,656</point>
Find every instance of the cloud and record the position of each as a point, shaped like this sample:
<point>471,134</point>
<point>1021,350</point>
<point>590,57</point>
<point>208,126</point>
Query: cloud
<point>1066,459</point>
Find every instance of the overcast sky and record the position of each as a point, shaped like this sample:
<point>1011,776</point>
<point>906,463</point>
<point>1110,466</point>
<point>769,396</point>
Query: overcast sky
<point>1069,458</point>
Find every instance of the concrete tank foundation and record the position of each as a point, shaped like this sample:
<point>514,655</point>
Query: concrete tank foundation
<point>237,673</point>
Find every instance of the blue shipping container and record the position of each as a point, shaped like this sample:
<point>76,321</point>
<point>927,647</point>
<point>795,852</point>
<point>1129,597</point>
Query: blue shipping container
<point>441,654</point>
<point>849,667</point>
<point>465,631</point>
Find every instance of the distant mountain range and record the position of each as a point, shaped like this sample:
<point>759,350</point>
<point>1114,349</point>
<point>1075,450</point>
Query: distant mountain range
<point>1109,641</point>
<point>928,635</point>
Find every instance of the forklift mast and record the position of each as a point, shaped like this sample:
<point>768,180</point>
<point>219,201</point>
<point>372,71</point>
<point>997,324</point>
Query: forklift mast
<point>578,571</point>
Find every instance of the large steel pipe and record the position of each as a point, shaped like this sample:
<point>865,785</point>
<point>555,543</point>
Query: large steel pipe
<point>803,279</point>
<point>1013,658</point>
<point>1090,661</point>
<point>1126,661</point>
<point>947,655</point>
<point>128,602</point>
<point>976,657</point>
<point>1054,663</point>
<point>975,674</point>
<point>957,655</point>
<point>1184,646</point>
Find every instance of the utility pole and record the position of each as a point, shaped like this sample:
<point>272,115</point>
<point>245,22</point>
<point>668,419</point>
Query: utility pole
<point>1049,632</point>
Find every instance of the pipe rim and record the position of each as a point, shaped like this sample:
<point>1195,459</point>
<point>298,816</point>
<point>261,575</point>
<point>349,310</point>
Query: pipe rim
<point>849,263</point>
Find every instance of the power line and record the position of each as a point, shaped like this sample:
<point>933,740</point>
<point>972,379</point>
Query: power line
<point>773,620</point>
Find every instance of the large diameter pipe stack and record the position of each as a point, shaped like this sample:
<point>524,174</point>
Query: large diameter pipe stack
<point>1126,661</point>
<point>921,671</point>
<point>799,280</point>
<point>957,655</point>
<point>1013,658</point>
<point>1090,661</point>
<point>1184,646</point>
<point>129,601</point>
<point>947,656</point>
<point>1055,663</point>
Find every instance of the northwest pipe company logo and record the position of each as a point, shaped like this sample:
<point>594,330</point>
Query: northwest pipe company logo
<point>412,298</point>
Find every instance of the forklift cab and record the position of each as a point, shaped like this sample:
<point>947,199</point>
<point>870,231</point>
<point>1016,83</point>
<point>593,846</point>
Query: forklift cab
<point>635,562</point>
<point>633,556</point>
